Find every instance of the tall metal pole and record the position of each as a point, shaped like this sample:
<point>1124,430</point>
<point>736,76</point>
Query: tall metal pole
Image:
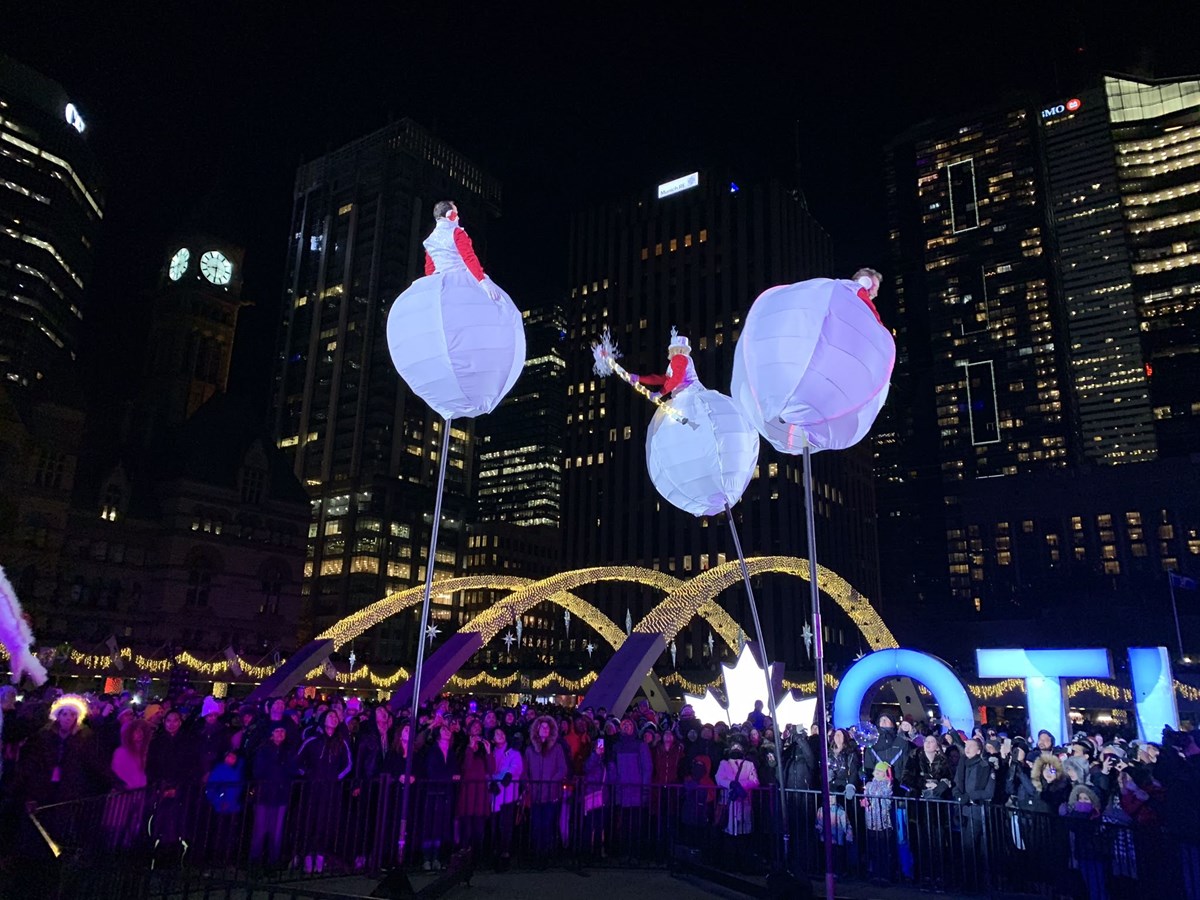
<point>762,648</point>
<point>819,660</point>
<point>416,679</point>
<point>1175,612</point>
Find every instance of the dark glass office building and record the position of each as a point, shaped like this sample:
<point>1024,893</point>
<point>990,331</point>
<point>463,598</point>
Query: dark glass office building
<point>694,253</point>
<point>366,448</point>
<point>1077,223</point>
<point>51,207</point>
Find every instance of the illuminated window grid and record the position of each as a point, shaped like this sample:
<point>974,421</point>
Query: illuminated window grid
<point>974,195</point>
<point>970,407</point>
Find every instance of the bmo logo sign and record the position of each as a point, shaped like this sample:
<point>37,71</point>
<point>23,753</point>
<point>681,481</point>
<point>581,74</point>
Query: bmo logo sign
<point>1070,106</point>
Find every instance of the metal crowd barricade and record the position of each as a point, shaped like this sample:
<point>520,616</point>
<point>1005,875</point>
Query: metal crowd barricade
<point>253,833</point>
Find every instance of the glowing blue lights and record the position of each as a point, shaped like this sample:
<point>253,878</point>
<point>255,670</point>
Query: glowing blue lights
<point>1043,671</point>
<point>945,686</point>
<point>1153,691</point>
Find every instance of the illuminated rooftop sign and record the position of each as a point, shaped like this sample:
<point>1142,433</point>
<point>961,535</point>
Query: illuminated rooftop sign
<point>1070,106</point>
<point>687,182</point>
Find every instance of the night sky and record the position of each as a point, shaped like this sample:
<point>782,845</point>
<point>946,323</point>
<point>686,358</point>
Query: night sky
<point>201,113</point>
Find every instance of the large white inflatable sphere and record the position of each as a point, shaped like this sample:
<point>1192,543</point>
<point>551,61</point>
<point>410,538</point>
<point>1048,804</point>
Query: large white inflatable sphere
<point>812,361</point>
<point>705,463</point>
<point>457,349</point>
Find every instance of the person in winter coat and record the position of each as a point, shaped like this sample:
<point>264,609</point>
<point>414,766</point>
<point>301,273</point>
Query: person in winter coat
<point>274,770</point>
<point>437,769</point>
<point>125,810</point>
<point>474,800</point>
<point>844,764</point>
<point>631,769</point>
<point>699,801</point>
<point>1050,780</point>
<point>213,735</point>
<point>174,769</point>
<point>323,761</point>
<point>894,747</point>
<point>507,767</point>
<point>223,789</point>
<point>596,799</point>
<point>737,769</point>
<point>929,774</point>
<point>545,768</point>
<point>974,787</point>
<point>60,763</point>
<point>877,802</point>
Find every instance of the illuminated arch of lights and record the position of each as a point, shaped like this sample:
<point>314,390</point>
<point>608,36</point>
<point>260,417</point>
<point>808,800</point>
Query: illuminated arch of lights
<point>698,597</point>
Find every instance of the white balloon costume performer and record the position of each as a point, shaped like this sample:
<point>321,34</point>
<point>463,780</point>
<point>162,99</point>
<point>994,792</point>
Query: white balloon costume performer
<point>704,463</point>
<point>814,363</point>
<point>16,637</point>
<point>455,337</point>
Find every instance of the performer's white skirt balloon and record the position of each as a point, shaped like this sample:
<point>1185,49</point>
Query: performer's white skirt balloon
<point>812,360</point>
<point>457,349</point>
<point>704,464</point>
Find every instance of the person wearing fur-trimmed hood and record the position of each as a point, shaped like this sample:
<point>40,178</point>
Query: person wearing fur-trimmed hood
<point>545,768</point>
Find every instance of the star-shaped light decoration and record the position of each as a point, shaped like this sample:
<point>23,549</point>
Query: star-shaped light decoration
<point>509,638</point>
<point>591,648</point>
<point>431,632</point>
<point>746,682</point>
<point>807,633</point>
<point>710,642</point>
<point>353,660</point>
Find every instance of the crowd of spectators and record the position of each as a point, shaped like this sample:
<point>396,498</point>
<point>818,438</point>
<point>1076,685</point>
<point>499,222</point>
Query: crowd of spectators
<point>584,783</point>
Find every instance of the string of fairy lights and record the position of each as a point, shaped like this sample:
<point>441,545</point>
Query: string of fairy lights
<point>684,600</point>
<point>365,677</point>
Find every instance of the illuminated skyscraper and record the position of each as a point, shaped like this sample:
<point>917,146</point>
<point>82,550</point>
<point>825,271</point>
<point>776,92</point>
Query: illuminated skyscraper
<point>51,207</point>
<point>694,254</point>
<point>980,376</point>
<point>367,448</point>
<point>1048,264</point>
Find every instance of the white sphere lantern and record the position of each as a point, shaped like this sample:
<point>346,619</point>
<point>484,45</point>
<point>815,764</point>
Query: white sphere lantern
<point>458,349</point>
<point>704,464</point>
<point>813,364</point>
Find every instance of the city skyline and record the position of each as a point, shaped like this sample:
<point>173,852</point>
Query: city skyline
<point>204,130</point>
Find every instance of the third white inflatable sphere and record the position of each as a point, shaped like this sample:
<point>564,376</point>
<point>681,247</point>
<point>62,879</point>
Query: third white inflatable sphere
<point>812,362</point>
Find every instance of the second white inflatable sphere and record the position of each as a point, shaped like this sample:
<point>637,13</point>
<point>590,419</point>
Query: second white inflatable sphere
<point>707,462</point>
<point>812,363</point>
<point>457,349</point>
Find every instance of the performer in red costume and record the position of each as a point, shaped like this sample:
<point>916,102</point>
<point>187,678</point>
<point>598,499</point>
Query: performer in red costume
<point>869,280</point>
<point>448,248</point>
<point>681,374</point>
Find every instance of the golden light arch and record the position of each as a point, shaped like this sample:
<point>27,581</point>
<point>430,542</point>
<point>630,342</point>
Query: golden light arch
<point>698,597</point>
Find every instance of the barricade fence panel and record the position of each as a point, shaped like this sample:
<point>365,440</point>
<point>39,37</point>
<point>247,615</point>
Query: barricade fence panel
<point>270,833</point>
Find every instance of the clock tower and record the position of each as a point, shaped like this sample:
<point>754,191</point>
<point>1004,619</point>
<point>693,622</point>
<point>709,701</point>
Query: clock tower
<point>193,319</point>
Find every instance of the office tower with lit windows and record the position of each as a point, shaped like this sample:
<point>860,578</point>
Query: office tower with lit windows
<point>364,445</point>
<point>1093,365</point>
<point>519,447</point>
<point>51,207</point>
<point>1122,169</point>
<point>694,254</point>
<point>980,381</point>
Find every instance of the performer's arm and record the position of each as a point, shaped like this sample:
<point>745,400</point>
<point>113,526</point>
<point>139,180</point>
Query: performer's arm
<point>429,266</point>
<point>865,297</point>
<point>465,249</point>
<point>652,380</point>
<point>678,373</point>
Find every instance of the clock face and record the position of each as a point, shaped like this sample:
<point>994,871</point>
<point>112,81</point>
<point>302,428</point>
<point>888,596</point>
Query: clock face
<point>216,268</point>
<point>179,263</point>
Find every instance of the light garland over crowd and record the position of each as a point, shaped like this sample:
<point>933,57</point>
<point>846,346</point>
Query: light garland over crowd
<point>365,677</point>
